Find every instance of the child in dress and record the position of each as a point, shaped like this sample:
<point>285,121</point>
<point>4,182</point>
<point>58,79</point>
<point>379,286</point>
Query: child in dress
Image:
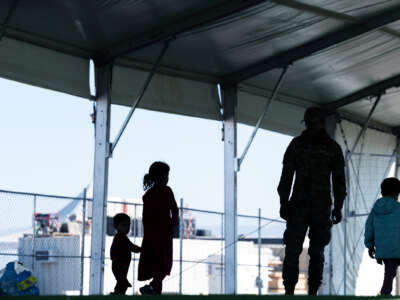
<point>121,249</point>
<point>382,232</point>
<point>160,216</point>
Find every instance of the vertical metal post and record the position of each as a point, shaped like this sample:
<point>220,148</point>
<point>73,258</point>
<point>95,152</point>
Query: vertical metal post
<point>34,233</point>
<point>100,177</point>
<point>345,219</point>
<point>396,174</point>
<point>259,282</point>
<point>222,255</point>
<point>134,254</point>
<point>181,227</point>
<point>230,187</point>
<point>330,268</point>
<point>83,238</point>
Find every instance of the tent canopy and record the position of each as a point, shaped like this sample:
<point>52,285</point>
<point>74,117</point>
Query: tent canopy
<point>341,53</point>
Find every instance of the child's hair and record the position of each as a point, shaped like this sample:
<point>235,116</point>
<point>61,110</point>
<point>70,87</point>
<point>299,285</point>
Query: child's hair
<point>119,218</point>
<point>157,171</point>
<point>390,186</point>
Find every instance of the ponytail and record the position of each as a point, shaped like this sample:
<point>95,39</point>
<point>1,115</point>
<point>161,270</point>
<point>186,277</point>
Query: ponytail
<point>148,181</point>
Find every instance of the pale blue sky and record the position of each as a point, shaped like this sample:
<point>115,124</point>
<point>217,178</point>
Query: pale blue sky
<point>47,147</point>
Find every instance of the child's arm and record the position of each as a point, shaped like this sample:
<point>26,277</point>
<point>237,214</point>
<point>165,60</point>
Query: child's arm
<point>369,236</point>
<point>132,247</point>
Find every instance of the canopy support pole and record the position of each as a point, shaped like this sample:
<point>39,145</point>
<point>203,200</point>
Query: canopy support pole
<point>230,186</point>
<point>100,177</point>
<point>139,98</point>
<point>397,174</point>
<point>365,126</point>
<point>262,116</point>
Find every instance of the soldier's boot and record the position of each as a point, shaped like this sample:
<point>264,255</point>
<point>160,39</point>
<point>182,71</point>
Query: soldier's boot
<point>290,272</point>
<point>313,290</point>
<point>315,269</point>
<point>289,290</point>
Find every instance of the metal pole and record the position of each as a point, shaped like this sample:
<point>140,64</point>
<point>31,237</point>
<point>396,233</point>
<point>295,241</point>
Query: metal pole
<point>139,98</point>
<point>222,255</point>
<point>346,214</point>
<point>8,17</point>
<point>263,114</point>
<point>100,178</point>
<point>330,268</point>
<point>34,233</point>
<point>360,134</point>
<point>83,238</point>
<point>259,284</point>
<point>230,187</point>
<point>181,225</point>
<point>135,224</point>
<point>396,174</point>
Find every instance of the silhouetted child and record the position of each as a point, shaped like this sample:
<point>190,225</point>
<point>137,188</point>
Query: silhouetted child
<point>382,231</point>
<point>121,249</point>
<point>160,216</point>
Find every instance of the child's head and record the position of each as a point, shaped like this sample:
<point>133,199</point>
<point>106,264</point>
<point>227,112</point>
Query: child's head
<point>122,223</point>
<point>158,174</point>
<point>390,187</point>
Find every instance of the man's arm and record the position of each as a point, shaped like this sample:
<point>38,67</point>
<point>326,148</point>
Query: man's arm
<point>288,169</point>
<point>338,179</point>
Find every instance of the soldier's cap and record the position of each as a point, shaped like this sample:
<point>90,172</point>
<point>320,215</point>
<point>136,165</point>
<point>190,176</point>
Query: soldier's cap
<point>314,114</point>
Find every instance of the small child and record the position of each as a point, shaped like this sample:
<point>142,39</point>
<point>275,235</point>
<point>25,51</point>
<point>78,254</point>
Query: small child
<point>160,216</point>
<point>382,232</point>
<point>121,249</point>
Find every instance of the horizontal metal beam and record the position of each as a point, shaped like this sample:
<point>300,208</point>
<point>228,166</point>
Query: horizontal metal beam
<point>282,96</point>
<point>370,23</point>
<point>371,125</point>
<point>323,12</point>
<point>169,31</point>
<point>372,90</point>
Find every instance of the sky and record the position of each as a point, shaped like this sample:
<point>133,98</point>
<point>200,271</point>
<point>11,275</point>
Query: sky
<point>47,147</point>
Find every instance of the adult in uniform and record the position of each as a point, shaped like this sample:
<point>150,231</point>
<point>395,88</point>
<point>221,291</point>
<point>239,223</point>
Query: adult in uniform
<point>315,159</point>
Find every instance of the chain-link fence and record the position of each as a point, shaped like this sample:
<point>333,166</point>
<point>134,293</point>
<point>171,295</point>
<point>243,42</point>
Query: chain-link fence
<point>51,236</point>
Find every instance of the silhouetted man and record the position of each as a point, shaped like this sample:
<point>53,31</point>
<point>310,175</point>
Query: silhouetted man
<point>314,157</point>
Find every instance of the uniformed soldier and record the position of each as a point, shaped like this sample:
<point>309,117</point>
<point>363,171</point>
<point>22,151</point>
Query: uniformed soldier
<point>315,158</point>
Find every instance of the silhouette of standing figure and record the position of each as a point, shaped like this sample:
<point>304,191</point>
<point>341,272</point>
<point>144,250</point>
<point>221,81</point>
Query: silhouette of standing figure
<point>121,249</point>
<point>314,157</point>
<point>160,216</point>
<point>382,232</point>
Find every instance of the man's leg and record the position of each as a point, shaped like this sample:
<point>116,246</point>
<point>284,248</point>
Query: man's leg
<point>390,273</point>
<point>296,229</point>
<point>320,236</point>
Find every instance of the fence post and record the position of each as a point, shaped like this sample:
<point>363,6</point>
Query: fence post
<point>83,239</point>
<point>135,224</point>
<point>34,233</point>
<point>259,282</point>
<point>181,225</point>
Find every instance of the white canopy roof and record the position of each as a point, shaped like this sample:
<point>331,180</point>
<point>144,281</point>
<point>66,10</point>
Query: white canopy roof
<point>341,52</point>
